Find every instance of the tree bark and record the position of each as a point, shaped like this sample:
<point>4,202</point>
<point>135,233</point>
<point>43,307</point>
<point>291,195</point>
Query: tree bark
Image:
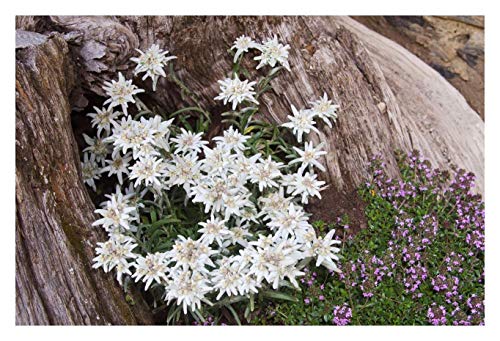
<point>55,282</point>
<point>389,98</point>
<point>452,45</point>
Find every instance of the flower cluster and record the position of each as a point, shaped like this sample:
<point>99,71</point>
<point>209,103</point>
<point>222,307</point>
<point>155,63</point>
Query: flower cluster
<point>430,244</point>
<point>302,121</point>
<point>414,263</point>
<point>342,315</point>
<point>436,315</point>
<point>255,232</point>
<point>272,51</point>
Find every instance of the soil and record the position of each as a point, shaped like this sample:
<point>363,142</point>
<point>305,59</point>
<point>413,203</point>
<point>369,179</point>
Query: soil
<point>334,204</point>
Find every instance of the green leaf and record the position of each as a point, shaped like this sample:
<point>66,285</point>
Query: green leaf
<point>246,315</point>
<point>233,312</point>
<point>172,312</point>
<point>153,215</point>
<point>230,300</point>
<point>249,129</point>
<point>279,295</point>
<point>165,221</point>
<point>252,302</point>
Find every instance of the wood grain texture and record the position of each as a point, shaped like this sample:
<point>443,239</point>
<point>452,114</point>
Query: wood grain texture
<point>55,283</point>
<point>390,99</point>
<point>452,45</point>
<point>438,118</point>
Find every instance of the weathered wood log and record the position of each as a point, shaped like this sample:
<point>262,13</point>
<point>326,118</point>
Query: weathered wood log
<point>387,103</point>
<point>55,282</point>
<point>440,122</point>
<point>452,45</point>
<point>389,98</point>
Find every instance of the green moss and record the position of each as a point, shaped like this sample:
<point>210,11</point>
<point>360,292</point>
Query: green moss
<point>130,300</point>
<point>74,238</point>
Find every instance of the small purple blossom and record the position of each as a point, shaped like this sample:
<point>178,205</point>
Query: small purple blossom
<point>436,315</point>
<point>342,315</point>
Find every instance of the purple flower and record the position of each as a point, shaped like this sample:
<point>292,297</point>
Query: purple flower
<point>436,315</point>
<point>342,315</point>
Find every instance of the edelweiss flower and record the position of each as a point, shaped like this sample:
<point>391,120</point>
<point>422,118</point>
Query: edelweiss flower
<point>301,122</point>
<point>191,254</point>
<point>244,165</point>
<point>232,140</point>
<point>309,156</point>
<point>217,160</point>
<point>183,170</point>
<point>292,222</point>
<point>265,173</point>
<point>131,134</point>
<point>324,251</point>
<point>187,287</point>
<point>273,52</point>
<point>117,165</point>
<point>248,283</point>
<point>115,214</point>
<point>227,277</point>
<point>271,261</point>
<point>114,253</point>
<point>236,91</point>
<point>120,92</point>
<point>148,170</point>
<point>97,147</point>
<point>324,109</point>
<point>213,229</point>
<point>242,44</point>
<point>161,131</point>
<point>90,170</point>
<point>249,214</point>
<point>253,238</point>
<point>277,274</point>
<point>233,203</point>
<point>152,63</point>
<point>144,150</point>
<point>210,192</point>
<point>103,118</point>
<point>151,268</point>
<point>305,185</point>
<point>274,203</point>
<point>238,235</point>
<point>188,142</point>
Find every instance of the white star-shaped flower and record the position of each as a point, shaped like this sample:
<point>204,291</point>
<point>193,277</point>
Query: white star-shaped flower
<point>309,156</point>
<point>324,109</point>
<point>120,92</point>
<point>273,52</point>
<point>236,91</point>
<point>301,122</point>
<point>152,63</point>
<point>242,44</point>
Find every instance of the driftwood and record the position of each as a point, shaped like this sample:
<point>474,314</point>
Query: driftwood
<point>389,100</point>
<point>452,45</point>
<point>55,283</point>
